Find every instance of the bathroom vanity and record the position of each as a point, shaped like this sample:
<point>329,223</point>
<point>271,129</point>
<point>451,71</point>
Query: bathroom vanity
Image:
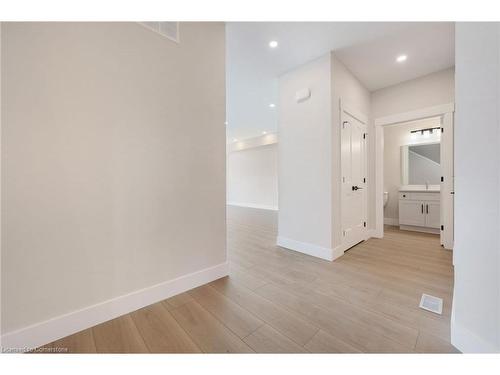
<point>419,208</point>
<point>419,194</point>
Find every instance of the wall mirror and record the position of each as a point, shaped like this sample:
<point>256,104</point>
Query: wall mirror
<point>421,164</point>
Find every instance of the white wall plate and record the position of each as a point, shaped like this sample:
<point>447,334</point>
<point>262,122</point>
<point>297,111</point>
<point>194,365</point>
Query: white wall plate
<point>302,95</point>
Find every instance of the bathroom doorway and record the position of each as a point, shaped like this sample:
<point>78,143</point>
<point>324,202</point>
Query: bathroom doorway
<point>414,169</point>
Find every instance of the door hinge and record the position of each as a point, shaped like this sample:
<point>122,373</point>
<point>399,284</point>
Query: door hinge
<point>442,227</point>
<point>442,179</point>
<point>364,224</point>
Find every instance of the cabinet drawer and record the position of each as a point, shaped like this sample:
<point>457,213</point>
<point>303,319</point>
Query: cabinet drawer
<point>405,195</point>
<point>419,196</point>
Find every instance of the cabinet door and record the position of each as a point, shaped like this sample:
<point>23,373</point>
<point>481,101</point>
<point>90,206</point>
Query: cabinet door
<point>432,214</point>
<point>411,213</point>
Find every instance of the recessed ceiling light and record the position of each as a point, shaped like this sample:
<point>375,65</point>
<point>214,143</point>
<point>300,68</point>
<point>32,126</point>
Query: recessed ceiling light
<point>273,44</point>
<point>401,58</point>
<point>272,105</point>
<point>264,133</point>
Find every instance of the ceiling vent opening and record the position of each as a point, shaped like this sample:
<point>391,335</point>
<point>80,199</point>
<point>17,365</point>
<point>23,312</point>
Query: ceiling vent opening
<point>169,30</point>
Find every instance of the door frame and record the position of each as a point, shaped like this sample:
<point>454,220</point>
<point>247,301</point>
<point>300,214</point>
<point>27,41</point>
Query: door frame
<point>445,111</point>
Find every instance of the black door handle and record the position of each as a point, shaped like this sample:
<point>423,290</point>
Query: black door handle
<point>422,208</point>
<point>354,188</point>
<point>426,208</point>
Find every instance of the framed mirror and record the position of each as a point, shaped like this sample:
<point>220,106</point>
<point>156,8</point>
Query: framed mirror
<point>421,164</point>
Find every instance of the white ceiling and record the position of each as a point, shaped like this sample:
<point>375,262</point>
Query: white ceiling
<point>429,47</point>
<point>368,49</point>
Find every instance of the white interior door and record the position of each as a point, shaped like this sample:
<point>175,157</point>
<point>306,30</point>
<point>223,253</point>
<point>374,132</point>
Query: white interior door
<point>354,194</point>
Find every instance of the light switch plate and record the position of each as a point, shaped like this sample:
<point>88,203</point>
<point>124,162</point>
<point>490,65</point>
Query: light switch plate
<point>302,95</point>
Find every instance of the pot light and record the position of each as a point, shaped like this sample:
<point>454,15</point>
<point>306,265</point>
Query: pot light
<point>272,105</point>
<point>264,133</point>
<point>401,58</point>
<point>273,44</point>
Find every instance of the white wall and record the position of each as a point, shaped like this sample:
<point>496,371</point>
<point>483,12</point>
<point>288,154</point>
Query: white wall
<point>113,162</point>
<point>346,88</point>
<point>304,156</point>
<point>309,154</point>
<point>262,140</point>
<point>252,177</point>
<point>396,136</point>
<point>475,325</point>
<point>431,90</point>
<point>1,175</point>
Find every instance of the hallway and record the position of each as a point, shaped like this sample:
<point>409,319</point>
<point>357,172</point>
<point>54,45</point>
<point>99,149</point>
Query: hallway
<point>277,300</point>
<point>368,298</point>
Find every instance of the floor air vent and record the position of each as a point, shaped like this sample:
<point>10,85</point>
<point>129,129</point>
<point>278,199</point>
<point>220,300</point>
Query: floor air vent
<point>431,303</point>
<point>169,30</point>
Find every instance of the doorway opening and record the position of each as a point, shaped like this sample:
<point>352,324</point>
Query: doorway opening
<point>414,170</point>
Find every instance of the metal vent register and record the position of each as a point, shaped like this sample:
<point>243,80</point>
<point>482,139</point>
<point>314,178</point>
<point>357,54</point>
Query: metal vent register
<point>169,30</point>
<point>431,303</point>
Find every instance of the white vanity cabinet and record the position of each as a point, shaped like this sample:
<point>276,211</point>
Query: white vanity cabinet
<point>419,211</point>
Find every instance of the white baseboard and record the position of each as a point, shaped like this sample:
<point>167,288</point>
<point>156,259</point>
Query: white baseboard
<point>391,221</point>
<point>341,249</point>
<point>414,228</point>
<point>467,342</point>
<point>309,249</point>
<point>252,205</point>
<point>64,325</point>
<point>371,233</point>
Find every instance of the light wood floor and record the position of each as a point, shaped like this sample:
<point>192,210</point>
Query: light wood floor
<point>276,300</point>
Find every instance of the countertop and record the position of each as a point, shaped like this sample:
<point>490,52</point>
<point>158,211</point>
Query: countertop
<point>420,188</point>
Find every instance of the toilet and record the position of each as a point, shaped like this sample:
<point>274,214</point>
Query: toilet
<point>386,197</point>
